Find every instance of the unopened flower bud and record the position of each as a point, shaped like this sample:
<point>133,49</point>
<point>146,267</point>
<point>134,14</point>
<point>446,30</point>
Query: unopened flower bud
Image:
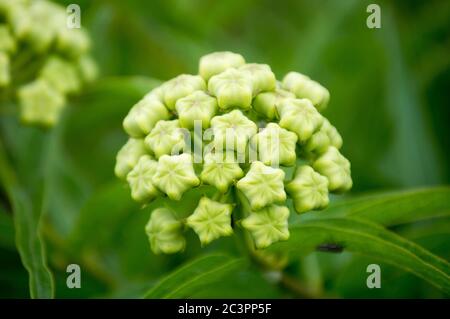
<point>217,62</point>
<point>266,103</point>
<point>232,131</point>
<point>40,103</point>
<point>73,42</point>
<point>140,179</point>
<point>88,68</point>
<point>275,145</point>
<point>262,185</point>
<point>303,87</point>
<point>211,220</point>
<point>233,88</point>
<point>7,41</point>
<point>268,225</point>
<point>180,87</point>
<point>166,138</point>
<point>336,168</point>
<point>143,117</point>
<point>61,74</point>
<point>128,156</point>
<point>165,232</point>
<point>308,189</point>
<point>333,134</point>
<point>261,76</point>
<point>221,170</point>
<point>5,76</point>
<point>175,175</point>
<point>197,106</point>
<point>300,117</point>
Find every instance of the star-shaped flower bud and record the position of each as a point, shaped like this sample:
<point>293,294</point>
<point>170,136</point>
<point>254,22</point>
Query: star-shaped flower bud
<point>181,86</point>
<point>166,138</point>
<point>40,103</point>
<point>233,88</point>
<point>266,103</point>
<point>308,189</point>
<point>197,106</point>
<point>217,62</point>
<point>303,87</point>
<point>61,74</point>
<point>262,185</point>
<point>261,76</point>
<point>128,156</point>
<point>165,232</point>
<point>211,220</point>
<point>7,41</point>
<point>275,145</point>
<point>232,131</point>
<point>336,168</point>
<point>319,142</point>
<point>221,170</point>
<point>140,179</point>
<point>268,225</point>
<point>300,117</point>
<point>175,175</point>
<point>5,76</point>
<point>73,42</point>
<point>143,116</point>
<point>333,134</point>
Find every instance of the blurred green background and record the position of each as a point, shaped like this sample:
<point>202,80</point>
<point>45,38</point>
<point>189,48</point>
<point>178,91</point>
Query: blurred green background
<point>389,100</point>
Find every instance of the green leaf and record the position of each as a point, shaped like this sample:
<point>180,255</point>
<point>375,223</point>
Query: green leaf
<point>188,279</point>
<point>6,230</point>
<point>369,239</point>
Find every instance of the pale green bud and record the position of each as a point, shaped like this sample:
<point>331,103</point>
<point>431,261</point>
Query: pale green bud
<point>217,62</point>
<point>303,87</point>
<point>220,170</point>
<point>19,19</point>
<point>262,185</point>
<point>143,116</point>
<point>196,106</point>
<point>233,88</point>
<point>181,86</point>
<point>266,103</point>
<point>140,179</point>
<point>275,145</point>
<point>7,41</point>
<point>336,168</point>
<point>166,138</point>
<point>61,74</point>
<point>128,156</point>
<point>322,139</point>
<point>165,232</point>
<point>261,76</point>
<point>40,103</point>
<point>211,220</point>
<point>301,117</point>
<point>5,76</point>
<point>73,42</point>
<point>333,134</point>
<point>308,189</point>
<point>88,68</point>
<point>175,175</point>
<point>268,225</point>
<point>233,128</point>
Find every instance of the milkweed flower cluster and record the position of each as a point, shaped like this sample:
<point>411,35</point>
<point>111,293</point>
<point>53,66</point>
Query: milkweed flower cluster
<point>252,130</point>
<point>42,61</point>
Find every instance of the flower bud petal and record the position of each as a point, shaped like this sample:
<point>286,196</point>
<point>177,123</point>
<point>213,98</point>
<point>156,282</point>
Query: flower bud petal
<point>166,138</point>
<point>128,156</point>
<point>175,175</point>
<point>7,41</point>
<point>217,62</point>
<point>262,185</point>
<point>303,87</point>
<point>211,220</point>
<point>165,232</point>
<point>87,68</point>
<point>336,168</point>
<point>300,117</point>
<point>308,189</point>
<point>233,88</point>
<point>196,106</point>
<point>140,179</point>
<point>73,42</point>
<point>61,74</point>
<point>268,225</point>
<point>5,76</point>
<point>275,145</point>
<point>181,86</point>
<point>333,134</point>
<point>143,116</point>
<point>220,170</point>
<point>266,103</point>
<point>261,76</point>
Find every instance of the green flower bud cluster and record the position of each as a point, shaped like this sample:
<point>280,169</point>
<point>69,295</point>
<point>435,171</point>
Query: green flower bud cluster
<point>263,143</point>
<point>42,61</point>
